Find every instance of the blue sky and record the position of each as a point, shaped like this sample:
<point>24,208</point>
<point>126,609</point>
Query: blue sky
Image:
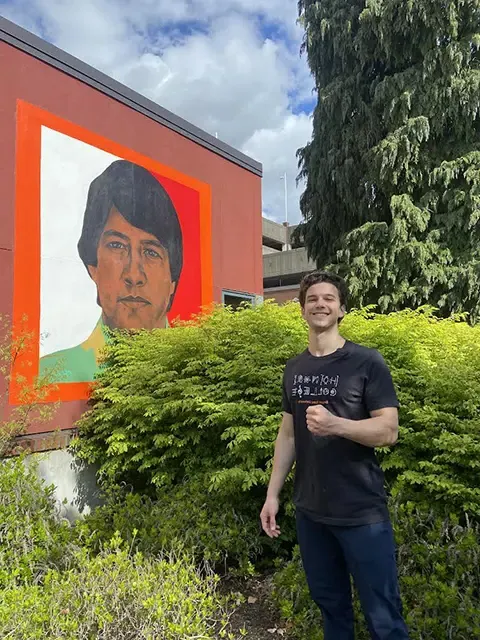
<point>232,67</point>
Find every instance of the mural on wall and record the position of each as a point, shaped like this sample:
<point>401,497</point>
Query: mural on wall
<point>105,239</point>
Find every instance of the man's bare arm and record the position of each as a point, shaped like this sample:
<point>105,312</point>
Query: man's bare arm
<point>380,430</point>
<point>284,456</point>
<point>283,460</point>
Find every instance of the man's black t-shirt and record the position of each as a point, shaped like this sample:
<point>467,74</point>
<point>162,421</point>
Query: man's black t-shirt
<point>337,481</point>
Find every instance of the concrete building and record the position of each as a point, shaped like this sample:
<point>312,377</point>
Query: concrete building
<point>284,262</point>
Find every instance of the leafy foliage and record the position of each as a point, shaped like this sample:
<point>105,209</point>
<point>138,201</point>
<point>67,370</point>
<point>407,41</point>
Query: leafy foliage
<point>435,366</point>
<point>116,596</point>
<point>188,417</point>
<point>199,406</point>
<point>392,198</point>
<point>53,586</point>
<point>15,420</point>
<point>185,517</point>
<point>438,564</point>
<point>33,538</point>
<point>200,399</point>
<point>202,402</point>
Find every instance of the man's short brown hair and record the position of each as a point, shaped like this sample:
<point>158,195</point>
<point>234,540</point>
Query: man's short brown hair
<point>323,276</point>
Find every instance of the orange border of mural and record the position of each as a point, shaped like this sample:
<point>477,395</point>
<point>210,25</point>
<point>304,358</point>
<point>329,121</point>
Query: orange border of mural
<point>27,254</point>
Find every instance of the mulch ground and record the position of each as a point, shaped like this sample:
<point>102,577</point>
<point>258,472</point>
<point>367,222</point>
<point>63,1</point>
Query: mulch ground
<point>255,614</point>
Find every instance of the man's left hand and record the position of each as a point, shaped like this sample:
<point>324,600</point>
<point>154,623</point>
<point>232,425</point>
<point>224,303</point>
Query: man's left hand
<point>320,421</point>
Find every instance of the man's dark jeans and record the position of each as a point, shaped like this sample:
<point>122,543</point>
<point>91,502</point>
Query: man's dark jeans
<point>330,554</point>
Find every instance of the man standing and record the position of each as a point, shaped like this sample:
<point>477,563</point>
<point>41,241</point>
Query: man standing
<point>339,404</point>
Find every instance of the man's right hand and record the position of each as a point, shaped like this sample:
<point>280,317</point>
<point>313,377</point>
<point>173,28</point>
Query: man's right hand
<point>268,515</point>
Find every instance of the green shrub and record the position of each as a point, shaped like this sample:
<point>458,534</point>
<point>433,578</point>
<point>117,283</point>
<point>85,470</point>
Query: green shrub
<point>184,517</point>
<point>199,405</point>
<point>116,596</point>
<point>436,367</point>
<point>439,570</point>
<point>32,536</point>
<point>203,401</point>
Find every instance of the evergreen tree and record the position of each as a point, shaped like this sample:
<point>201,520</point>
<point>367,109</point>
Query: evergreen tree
<point>392,198</point>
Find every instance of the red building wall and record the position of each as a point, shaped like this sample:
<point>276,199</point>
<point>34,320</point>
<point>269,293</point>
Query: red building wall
<point>236,232</point>
<point>283,294</point>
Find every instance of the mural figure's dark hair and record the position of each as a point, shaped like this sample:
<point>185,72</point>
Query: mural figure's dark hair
<point>142,201</point>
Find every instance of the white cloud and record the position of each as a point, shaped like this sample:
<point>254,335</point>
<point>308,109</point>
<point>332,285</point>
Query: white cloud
<point>229,81</point>
<point>230,67</point>
<point>276,149</point>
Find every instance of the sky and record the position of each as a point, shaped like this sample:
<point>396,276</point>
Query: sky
<point>231,67</point>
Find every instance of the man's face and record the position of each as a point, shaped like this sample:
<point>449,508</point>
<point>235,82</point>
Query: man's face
<point>322,309</point>
<point>132,275</point>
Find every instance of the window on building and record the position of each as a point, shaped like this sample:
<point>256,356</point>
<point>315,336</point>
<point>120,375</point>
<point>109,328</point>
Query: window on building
<point>235,298</point>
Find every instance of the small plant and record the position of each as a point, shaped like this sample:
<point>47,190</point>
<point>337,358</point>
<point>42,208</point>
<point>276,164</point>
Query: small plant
<point>51,586</point>
<point>15,420</point>
<point>118,596</point>
<point>33,538</point>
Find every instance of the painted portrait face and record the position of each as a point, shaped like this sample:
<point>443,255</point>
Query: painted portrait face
<point>133,277</point>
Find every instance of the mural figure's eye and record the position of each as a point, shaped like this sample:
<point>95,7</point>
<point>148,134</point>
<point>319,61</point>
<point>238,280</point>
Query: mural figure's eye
<point>115,244</point>
<point>151,253</point>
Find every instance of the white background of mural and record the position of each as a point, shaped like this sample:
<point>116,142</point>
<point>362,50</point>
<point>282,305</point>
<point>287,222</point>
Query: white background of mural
<point>68,308</point>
